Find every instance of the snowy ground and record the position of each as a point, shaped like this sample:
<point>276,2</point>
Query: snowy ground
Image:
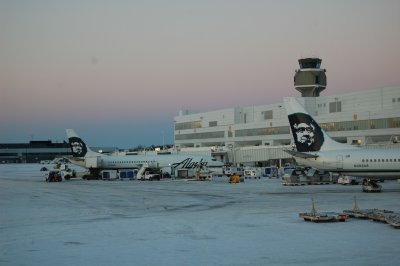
<point>169,222</point>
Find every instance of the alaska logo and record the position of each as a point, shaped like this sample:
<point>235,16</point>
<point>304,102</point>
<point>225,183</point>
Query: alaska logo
<point>188,163</point>
<point>306,132</point>
<point>78,147</point>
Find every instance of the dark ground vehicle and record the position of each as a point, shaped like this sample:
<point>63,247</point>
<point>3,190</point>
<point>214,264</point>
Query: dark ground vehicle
<point>54,176</point>
<point>370,185</point>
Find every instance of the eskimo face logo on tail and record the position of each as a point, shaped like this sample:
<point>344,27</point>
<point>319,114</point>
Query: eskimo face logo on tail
<point>78,147</point>
<point>306,132</point>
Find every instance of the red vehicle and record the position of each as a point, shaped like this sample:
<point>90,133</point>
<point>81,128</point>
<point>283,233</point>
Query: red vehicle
<point>54,176</point>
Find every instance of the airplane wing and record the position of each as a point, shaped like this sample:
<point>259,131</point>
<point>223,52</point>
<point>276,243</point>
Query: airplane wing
<point>301,154</point>
<point>71,160</point>
<point>163,166</point>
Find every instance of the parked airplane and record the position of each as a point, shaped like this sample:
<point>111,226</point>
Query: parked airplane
<point>95,162</point>
<point>316,149</point>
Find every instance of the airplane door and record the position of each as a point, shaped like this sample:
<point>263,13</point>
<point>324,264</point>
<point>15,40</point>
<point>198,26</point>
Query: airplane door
<point>339,162</point>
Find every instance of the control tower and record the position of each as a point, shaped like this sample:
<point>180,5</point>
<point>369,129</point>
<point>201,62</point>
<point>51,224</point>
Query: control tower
<point>310,79</point>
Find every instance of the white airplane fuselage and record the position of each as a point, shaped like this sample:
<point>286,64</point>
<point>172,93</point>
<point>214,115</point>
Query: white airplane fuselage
<point>85,157</point>
<point>136,161</point>
<point>357,162</point>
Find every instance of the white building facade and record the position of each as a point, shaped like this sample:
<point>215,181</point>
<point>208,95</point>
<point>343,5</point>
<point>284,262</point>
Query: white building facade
<point>261,133</point>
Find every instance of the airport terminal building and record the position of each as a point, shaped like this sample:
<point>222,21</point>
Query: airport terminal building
<point>36,151</point>
<point>32,152</point>
<point>259,134</point>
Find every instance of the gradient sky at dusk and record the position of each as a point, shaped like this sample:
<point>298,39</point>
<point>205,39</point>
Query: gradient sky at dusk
<point>119,71</point>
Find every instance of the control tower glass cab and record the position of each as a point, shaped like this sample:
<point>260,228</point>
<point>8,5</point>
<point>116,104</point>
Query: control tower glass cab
<point>310,79</point>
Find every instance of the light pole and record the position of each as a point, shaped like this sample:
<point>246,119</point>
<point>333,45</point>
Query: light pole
<point>163,138</point>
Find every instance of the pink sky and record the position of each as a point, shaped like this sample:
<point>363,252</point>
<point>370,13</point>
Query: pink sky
<point>105,68</point>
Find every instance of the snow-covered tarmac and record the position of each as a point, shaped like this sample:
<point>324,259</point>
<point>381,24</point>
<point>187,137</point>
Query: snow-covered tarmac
<point>170,222</point>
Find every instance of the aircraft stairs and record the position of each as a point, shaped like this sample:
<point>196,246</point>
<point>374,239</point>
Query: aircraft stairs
<point>143,168</point>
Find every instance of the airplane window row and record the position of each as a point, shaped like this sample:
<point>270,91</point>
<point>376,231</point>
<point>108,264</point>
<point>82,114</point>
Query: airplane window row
<point>379,160</point>
<point>132,161</point>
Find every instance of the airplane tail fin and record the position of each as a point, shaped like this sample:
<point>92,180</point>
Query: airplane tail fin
<point>307,134</point>
<point>78,146</point>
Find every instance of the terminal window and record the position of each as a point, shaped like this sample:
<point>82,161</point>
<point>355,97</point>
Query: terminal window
<point>267,114</point>
<point>212,123</point>
<point>335,107</point>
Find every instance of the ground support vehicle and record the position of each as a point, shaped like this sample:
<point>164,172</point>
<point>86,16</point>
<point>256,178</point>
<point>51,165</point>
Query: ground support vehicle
<point>369,185</point>
<point>54,176</point>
